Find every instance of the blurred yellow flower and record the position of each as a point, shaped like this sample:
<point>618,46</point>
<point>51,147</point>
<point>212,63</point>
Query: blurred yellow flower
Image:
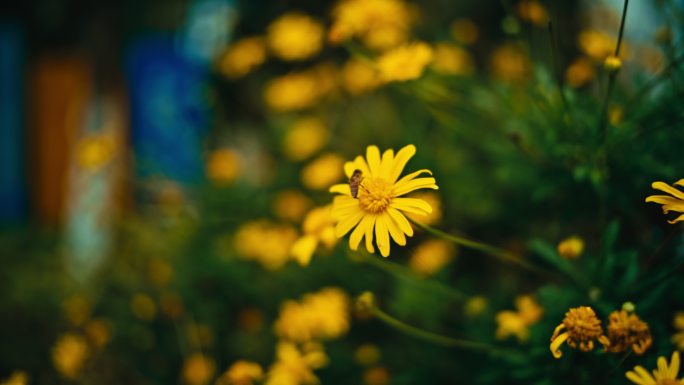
<point>380,24</point>
<point>580,72</point>
<point>612,63</point>
<point>304,138</point>
<point>432,198</point>
<point>298,90</point>
<point>378,207</point>
<point>517,323</point>
<point>198,369</point>
<point>242,57</point>
<point>77,309</point>
<point>615,114</point>
<point>159,272</point>
<point>475,306</point>
<point>678,336</point>
<point>571,247</point>
<point>376,375</point>
<point>294,366</point>
<point>452,60</point>
<point>98,332</point>
<point>143,307</point>
<point>464,31</point>
<point>69,355</point>
<point>670,203</point>
<point>367,354</point>
<point>510,63</point>
<point>265,242</point>
<point>666,374</point>
<point>291,205</point>
<point>625,331</point>
<point>318,227</point>
<point>94,151</point>
<point>223,165</point>
<point>581,327</point>
<point>318,316</point>
<point>431,256</point>
<point>295,36</point>
<point>241,373</point>
<point>406,62</point>
<point>17,378</point>
<point>533,12</point>
<point>359,77</point>
<point>323,171</point>
<point>596,44</point>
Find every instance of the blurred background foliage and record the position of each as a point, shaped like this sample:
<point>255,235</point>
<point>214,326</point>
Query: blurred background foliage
<point>170,152</point>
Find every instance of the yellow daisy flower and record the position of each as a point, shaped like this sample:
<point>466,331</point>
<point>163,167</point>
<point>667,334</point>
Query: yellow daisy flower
<point>379,206</point>
<point>670,203</point>
<point>664,375</point>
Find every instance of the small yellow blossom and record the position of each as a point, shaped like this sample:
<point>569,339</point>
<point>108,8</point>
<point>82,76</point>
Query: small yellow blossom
<point>380,24</point>
<point>69,355</point>
<point>580,72</point>
<point>318,316</point>
<point>670,203</point>
<point>98,332</point>
<point>95,151</point>
<point>376,375</point>
<point>615,114</point>
<point>367,354</point>
<point>571,247</point>
<point>143,307</point>
<point>295,36</point>
<point>475,306</point>
<point>510,63</point>
<point>626,331</point>
<point>265,242</point>
<point>432,198</point>
<point>517,323</point>
<point>323,171</point>
<point>431,256</point>
<point>293,91</point>
<point>241,373</point>
<point>77,309</point>
<point>291,205</point>
<point>533,12</point>
<point>198,369</point>
<point>242,57</point>
<point>678,336</point>
<point>406,62</point>
<point>359,77</point>
<point>17,378</point>
<point>223,166</point>
<point>379,205</point>
<point>304,138</point>
<point>294,366</point>
<point>666,374</point>
<point>612,64</point>
<point>318,227</point>
<point>597,44</point>
<point>581,327</point>
<point>452,60</point>
<point>464,31</point>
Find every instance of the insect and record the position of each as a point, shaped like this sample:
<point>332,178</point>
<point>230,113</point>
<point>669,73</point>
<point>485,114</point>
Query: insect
<point>355,183</point>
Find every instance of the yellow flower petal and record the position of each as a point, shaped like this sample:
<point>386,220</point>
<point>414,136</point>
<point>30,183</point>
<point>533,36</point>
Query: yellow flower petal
<point>674,365</point>
<point>347,223</point>
<point>342,188</point>
<point>400,161</point>
<point>386,164</point>
<point>303,249</point>
<point>635,378</point>
<point>358,233</point>
<point>401,221</point>
<point>358,164</point>
<point>408,209</point>
<point>415,184</point>
<point>369,234</point>
<point>413,202</point>
<point>662,186</point>
<point>678,219</point>
<point>394,230</point>
<point>556,344</point>
<point>373,157</point>
<point>646,377</point>
<point>382,236</point>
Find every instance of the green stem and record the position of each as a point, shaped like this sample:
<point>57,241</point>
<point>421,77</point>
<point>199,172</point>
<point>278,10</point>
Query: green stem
<point>557,70</point>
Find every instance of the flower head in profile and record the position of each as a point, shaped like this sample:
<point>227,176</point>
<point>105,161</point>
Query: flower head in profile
<point>666,374</point>
<point>627,331</point>
<point>670,203</point>
<point>579,328</point>
<point>378,210</point>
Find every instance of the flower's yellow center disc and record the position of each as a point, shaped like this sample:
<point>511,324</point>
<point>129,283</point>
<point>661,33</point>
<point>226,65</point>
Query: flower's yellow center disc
<point>375,195</point>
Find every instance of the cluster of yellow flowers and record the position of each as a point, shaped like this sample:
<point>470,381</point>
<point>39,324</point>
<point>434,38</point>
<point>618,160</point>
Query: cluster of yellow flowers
<point>318,316</point>
<point>581,328</point>
<point>265,242</point>
<point>517,323</point>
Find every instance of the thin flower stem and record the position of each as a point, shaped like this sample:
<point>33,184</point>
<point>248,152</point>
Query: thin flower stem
<point>557,69</point>
<point>503,255</point>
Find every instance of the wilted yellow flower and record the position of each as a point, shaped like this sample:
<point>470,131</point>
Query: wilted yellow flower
<point>670,203</point>
<point>320,315</point>
<point>510,63</point>
<point>678,336</point>
<point>517,323</point>
<point>265,242</point>
<point>475,306</point>
<point>431,256</point>
<point>293,91</point>
<point>98,332</point>
<point>367,354</point>
<point>223,165</point>
<point>406,62</point>
<point>597,44</point>
<point>323,171</point>
<point>17,378</point>
<point>380,24</point>
<point>533,12</point>
<point>295,36</point>
<point>378,207</point>
<point>143,307</point>
<point>291,205</point>
<point>432,198</point>
<point>294,366</point>
<point>76,309</point>
<point>242,57</point>
<point>580,72</point>
<point>666,374</point>
<point>377,375</point>
<point>581,327</point>
<point>94,151</point>
<point>241,373</point>
<point>304,138</point>
<point>464,31</point>
<point>69,355</point>
<point>198,369</point>
<point>626,331</point>
<point>453,60</point>
<point>571,247</point>
<point>359,76</point>
<point>318,227</point>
